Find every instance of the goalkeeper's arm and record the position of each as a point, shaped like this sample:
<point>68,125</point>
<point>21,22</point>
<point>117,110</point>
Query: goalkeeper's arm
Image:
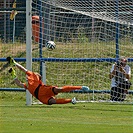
<point>18,82</point>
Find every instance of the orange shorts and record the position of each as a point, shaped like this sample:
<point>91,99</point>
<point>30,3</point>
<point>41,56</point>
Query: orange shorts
<point>46,93</point>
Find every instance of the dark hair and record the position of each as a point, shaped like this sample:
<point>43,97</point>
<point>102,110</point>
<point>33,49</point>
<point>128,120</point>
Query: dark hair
<point>122,58</point>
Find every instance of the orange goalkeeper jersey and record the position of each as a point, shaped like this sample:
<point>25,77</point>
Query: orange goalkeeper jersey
<point>45,92</point>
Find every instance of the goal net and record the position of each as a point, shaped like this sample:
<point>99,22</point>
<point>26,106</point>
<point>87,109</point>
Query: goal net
<point>90,35</point>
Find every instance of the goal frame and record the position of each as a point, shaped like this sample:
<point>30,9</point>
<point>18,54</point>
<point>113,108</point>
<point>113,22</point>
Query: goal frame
<point>42,60</point>
<point>28,45</point>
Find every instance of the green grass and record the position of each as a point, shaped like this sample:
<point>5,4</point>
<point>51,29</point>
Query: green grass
<point>16,117</point>
<point>92,74</point>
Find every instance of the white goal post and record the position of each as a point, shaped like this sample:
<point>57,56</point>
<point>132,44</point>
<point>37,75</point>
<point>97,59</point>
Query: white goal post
<point>90,35</point>
<point>28,45</point>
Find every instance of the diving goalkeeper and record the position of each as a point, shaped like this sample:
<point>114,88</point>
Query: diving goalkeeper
<point>44,93</point>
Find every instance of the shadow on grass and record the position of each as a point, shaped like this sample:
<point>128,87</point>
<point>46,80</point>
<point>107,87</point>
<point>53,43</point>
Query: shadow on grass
<point>87,106</point>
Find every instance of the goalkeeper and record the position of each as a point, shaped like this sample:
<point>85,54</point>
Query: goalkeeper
<point>44,93</point>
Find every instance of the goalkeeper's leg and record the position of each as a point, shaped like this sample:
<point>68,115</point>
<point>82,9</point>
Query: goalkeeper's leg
<point>61,101</point>
<point>66,89</point>
<point>70,88</point>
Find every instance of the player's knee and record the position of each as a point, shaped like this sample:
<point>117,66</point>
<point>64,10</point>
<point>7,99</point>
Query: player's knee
<point>57,90</point>
<point>51,101</point>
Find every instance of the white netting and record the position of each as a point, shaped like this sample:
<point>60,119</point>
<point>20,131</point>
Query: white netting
<point>89,35</point>
<point>109,10</point>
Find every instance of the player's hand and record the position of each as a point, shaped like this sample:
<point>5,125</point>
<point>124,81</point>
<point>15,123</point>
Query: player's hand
<point>115,66</point>
<point>121,69</point>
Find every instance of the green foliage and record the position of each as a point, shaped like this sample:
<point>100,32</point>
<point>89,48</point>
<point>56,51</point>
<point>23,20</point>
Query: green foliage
<point>82,38</point>
<point>82,117</point>
<point>92,74</point>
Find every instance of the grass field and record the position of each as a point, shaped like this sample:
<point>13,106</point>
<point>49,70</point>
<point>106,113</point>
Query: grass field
<point>16,117</point>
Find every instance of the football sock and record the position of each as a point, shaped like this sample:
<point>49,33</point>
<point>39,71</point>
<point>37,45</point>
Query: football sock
<point>63,101</point>
<point>13,73</point>
<point>70,88</point>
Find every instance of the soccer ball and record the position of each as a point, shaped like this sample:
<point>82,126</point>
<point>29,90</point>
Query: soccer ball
<point>50,45</point>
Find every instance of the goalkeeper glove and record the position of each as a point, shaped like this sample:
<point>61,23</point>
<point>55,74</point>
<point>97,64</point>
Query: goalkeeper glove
<point>11,61</point>
<point>13,73</point>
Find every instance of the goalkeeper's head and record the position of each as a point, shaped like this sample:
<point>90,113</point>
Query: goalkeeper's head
<point>40,77</point>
